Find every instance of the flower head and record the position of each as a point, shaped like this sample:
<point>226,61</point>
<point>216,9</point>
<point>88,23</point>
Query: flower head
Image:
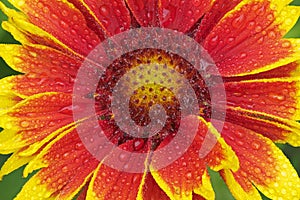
<point>137,99</point>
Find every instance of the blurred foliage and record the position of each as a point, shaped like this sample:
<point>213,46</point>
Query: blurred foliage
<point>11,184</point>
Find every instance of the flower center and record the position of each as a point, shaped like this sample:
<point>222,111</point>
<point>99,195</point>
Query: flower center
<point>153,81</point>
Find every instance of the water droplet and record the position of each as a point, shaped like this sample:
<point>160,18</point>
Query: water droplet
<point>40,5</point>
<point>177,190</point>
<point>214,40</point>
<point>189,175</point>
<point>46,9</point>
<point>166,13</point>
<point>288,21</point>
<point>197,3</point>
<point>64,169</point>
<point>115,188</point>
<point>244,174</point>
<point>149,15</point>
<point>241,143</point>
<point>243,55</point>
<point>251,25</point>
<point>270,160</point>
<point>66,154</point>
<point>238,21</point>
<point>286,44</point>
<point>140,4</point>
<point>231,39</point>
<point>64,13</point>
<point>104,11</point>
<point>68,110</point>
<point>283,191</point>
<point>292,110</point>
<point>138,144</point>
<point>255,145</point>
<point>261,11</point>
<point>272,35</point>
<point>60,180</point>
<point>283,173</point>
<point>257,170</point>
<point>48,180</point>
<point>25,124</point>
<point>75,18</point>
<point>54,16</point>
<point>239,134</point>
<point>278,97</point>
<point>258,29</point>
<point>189,13</point>
<point>119,13</point>
<point>123,157</point>
<point>270,17</point>
<point>63,24</point>
<point>260,40</point>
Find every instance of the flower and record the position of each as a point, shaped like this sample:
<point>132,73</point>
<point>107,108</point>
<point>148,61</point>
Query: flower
<point>259,67</point>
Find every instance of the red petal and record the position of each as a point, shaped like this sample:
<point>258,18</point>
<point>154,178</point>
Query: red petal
<point>108,183</point>
<point>151,191</point>
<point>90,20</point>
<point>62,21</point>
<point>34,119</point>
<point>181,15</point>
<point>83,193</point>
<point>145,11</point>
<point>285,71</point>
<point>63,158</point>
<point>239,185</point>
<point>113,17</point>
<point>188,174</point>
<point>276,97</point>
<point>248,39</point>
<point>198,197</point>
<point>274,128</point>
<point>262,164</point>
<point>210,20</point>
<point>8,99</point>
<point>112,184</point>
<point>46,70</point>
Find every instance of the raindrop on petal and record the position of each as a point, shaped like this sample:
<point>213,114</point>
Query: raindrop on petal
<point>104,11</point>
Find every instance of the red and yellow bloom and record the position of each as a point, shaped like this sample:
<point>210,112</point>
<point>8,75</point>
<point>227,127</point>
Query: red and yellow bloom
<point>259,67</point>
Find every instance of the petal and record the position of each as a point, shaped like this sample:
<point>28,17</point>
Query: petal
<point>14,162</point>
<point>46,70</point>
<point>58,23</point>
<point>90,20</point>
<point>112,17</point>
<point>8,99</point>
<point>15,32</point>
<point>213,16</point>
<point>240,187</point>
<point>83,193</point>
<point>257,30</point>
<point>277,129</point>
<point>33,120</point>
<point>181,15</point>
<point>262,163</point>
<point>144,11</point>
<point>188,174</point>
<point>62,159</point>
<point>151,190</point>
<point>109,183</point>
<point>278,97</point>
<point>285,71</point>
<point>197,197</point>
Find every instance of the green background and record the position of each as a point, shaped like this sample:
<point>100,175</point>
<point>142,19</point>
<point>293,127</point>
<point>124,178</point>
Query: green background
<point>11,184</point>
